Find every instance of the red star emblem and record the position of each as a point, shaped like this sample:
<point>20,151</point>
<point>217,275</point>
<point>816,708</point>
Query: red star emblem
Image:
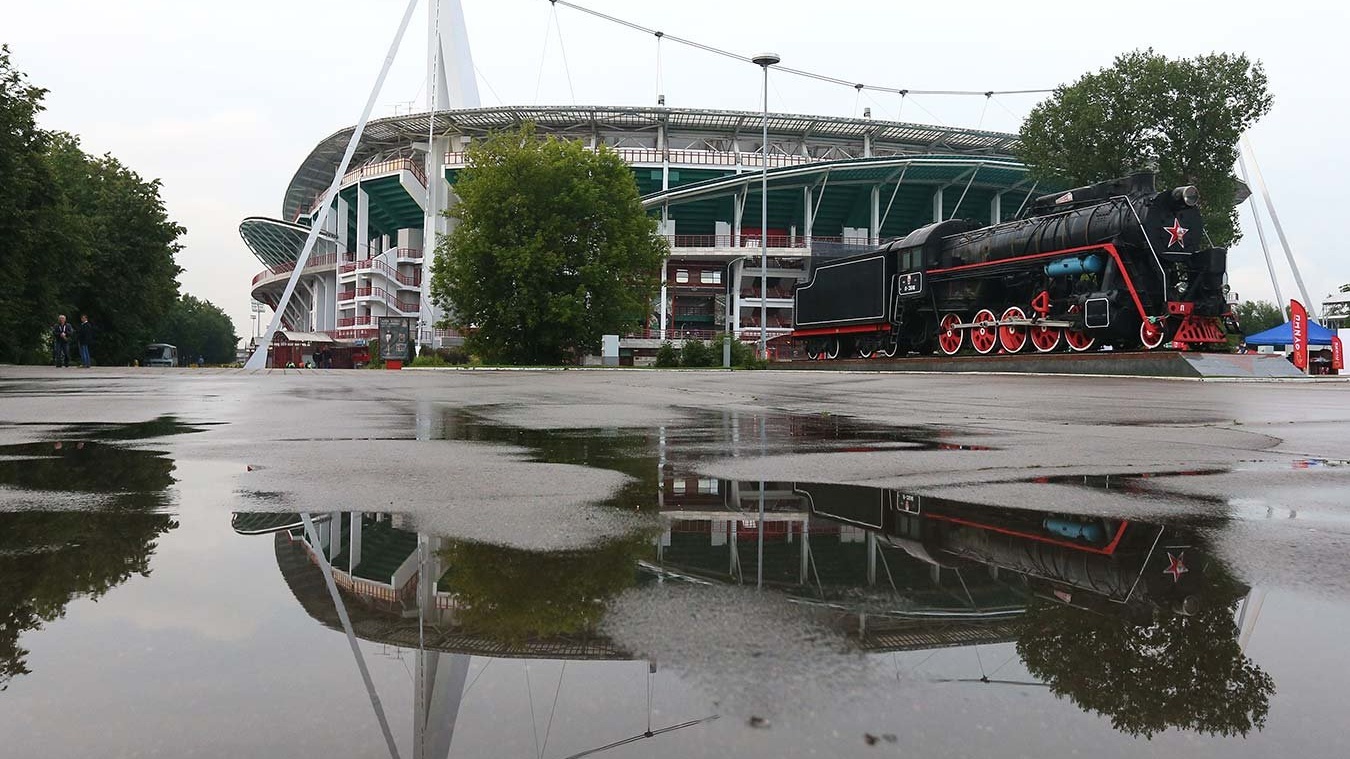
<point>1177,233</point>
<point>1176,566</point>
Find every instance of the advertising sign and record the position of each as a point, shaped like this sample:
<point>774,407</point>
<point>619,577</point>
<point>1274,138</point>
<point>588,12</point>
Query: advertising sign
<point>1298,324</point>
<point>395,334</point>
<point>1337,356</point>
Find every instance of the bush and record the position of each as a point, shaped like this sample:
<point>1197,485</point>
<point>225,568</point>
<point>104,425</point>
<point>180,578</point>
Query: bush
<point>454,355</point>
<point>696,353</point>
<point>373,347</point>
<point>742,354</point>
<point>667,355</point>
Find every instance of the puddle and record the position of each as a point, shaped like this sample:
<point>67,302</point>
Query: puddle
<point>747,618</point>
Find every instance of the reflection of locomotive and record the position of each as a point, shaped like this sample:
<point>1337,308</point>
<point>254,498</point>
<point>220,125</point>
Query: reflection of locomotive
<point>1084,561</point>
<point>1117,261</point>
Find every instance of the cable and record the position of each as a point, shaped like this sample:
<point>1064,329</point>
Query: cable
<point>491,89</point>
<point>797,72</point>
<point>563,49</point>
<point>549,728</point>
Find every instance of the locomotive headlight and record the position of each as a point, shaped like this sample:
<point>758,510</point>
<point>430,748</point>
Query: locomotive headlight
<point>1181,285</point>
<point>1188,195</point>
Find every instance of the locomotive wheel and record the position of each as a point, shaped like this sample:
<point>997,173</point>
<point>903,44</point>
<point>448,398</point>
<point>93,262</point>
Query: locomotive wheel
<point>984,337</point>
<point>812,355</point>
<point>949,337</point>
<point>832,349</point>
<point>1045,339</point>
<point>889,349</point>
<point>1013,338</point>
<point>864,351</point>
<point>1151,335</point>
<point>1078,339</point>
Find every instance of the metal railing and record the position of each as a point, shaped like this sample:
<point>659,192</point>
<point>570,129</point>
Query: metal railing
<point>375,170</point>
<point>750,240</point>
<point>685,157</point>
<point>314,262</point>
<point>375,264</point>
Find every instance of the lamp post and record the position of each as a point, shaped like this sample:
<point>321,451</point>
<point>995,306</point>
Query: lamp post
<point>764,61</point>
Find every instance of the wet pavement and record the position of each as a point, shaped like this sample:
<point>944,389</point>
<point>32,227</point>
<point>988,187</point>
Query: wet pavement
<point>560,564</point>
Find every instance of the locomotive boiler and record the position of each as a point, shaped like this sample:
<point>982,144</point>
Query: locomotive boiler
<point>1116,263</point>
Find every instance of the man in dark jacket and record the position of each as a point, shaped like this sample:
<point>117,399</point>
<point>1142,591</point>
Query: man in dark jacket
<point>86,335</point>
<point>61,337</point>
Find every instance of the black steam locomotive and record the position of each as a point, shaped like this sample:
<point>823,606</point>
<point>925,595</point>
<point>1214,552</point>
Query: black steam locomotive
<point>1116,262</point>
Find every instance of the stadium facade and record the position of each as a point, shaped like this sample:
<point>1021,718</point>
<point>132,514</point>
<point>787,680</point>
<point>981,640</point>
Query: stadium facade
<point>835,186</point>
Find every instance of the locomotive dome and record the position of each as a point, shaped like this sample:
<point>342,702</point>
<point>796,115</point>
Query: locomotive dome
<point>835,187</point>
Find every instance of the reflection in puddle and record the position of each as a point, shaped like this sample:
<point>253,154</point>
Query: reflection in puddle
<point>1132,620</point>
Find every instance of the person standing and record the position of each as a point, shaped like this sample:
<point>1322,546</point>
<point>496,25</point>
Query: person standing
<point>86,336</point>
<point>61,335</point>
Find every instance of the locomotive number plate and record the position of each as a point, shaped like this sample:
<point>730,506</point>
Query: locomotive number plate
<point>909,284</point>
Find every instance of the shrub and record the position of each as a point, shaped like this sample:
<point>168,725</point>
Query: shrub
<point>667,355</point>
<point>695,353</point>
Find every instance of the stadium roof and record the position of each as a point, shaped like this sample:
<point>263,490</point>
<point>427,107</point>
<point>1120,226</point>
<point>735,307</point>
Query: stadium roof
<point>394,133</point>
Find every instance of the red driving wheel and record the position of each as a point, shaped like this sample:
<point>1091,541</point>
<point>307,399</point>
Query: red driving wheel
<point>984,337</point>
<point>949,337</point>
<point>1078,339</point>
<point>1045,339</point>
<point>1150,334</point>
<point>1012,337</point>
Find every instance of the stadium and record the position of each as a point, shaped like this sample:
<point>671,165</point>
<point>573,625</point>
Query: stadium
<point>835,186</point>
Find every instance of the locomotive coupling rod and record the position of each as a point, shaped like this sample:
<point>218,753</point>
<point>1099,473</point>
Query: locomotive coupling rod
<point>1056,323</point>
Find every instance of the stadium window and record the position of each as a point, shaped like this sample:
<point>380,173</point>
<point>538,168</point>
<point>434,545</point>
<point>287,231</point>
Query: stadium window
<point>710,276</point>
<point>677,487</point>
<point>681,276</point>
<point>708,487</point>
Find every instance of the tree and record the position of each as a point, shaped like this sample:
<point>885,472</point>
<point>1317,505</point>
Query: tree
<point>198,328</point>
<point>513,595</point>
<point>552,250</point>
<point>1258,316</point>
<point>28,206</point>
<point>78,234</point>
<point>117,259</point>
<point>1183,116</point>
<point>1181,671</point>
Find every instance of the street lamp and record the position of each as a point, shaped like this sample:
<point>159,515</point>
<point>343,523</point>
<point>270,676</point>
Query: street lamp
<point>764,61</point>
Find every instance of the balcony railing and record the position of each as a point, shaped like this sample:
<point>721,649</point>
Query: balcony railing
<point>375,264</point>
<point>685,157</point>
<point>314,262</point>
<point>375,170</point>
<point>749,240</point>
<point>355,321</point>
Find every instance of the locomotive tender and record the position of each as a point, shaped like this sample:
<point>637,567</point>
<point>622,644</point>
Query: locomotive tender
<point>1115,262</point>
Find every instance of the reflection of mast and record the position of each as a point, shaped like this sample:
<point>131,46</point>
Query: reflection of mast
<point>327,570</point>
<point>439,679</point>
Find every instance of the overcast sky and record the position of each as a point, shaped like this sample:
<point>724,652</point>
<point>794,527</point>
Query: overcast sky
<point>222,100</point>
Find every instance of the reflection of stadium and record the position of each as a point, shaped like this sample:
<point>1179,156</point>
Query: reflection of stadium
<point>835,184</point>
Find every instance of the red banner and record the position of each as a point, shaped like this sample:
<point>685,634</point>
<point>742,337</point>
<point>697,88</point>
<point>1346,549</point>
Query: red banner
<point>1298,324</point>
<point>1337,357</point>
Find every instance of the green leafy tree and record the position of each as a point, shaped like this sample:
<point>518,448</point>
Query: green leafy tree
<point>1181,115</point>
<point>513,595</point>
<point>552,250</point>
<point>78,234</point>
<point>198,328</point>
<point>1181,671</point>
<point>118,264</point>
<point>1258,316</point>
<point>29,208</point>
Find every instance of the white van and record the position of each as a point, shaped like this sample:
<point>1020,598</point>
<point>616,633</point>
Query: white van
<point>160,354</point>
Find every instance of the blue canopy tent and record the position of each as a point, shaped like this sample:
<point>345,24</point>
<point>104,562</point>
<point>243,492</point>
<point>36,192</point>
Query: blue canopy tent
<point>1284,335</point>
